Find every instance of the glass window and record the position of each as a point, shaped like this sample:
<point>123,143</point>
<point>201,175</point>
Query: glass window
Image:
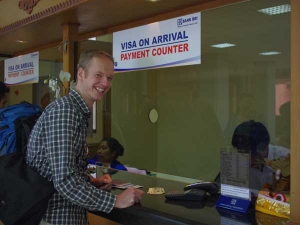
<point>50,65</point>
<point>200,106</point>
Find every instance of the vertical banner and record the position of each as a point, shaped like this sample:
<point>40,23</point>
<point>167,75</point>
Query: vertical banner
<point>23,69</point>
<point>173,42</point>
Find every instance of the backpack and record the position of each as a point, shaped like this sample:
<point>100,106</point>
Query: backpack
<point>16,122</point>
<point>25,205</point>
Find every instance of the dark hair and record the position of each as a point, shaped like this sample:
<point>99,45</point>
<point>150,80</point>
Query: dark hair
<point>3,89</point>
<point>250,136</point>
<point>114,146</point>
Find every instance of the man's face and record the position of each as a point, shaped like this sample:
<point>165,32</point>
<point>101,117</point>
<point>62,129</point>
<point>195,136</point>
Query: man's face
<point>3,101</point>
<point>97,78</point>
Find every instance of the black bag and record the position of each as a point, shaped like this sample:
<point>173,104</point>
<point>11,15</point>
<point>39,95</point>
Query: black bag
<point>24,193</point>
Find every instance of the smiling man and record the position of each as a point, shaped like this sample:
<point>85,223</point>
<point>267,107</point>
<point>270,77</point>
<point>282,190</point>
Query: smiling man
<point>57,148</point>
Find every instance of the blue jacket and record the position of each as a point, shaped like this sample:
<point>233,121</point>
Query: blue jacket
<point>114,164</point>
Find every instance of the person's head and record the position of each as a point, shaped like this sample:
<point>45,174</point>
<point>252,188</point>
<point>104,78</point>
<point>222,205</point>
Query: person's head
<point>4,91</point>
<point>45,100</point>
<point>94,76</point>
<point>251,136</point>
<point>109,150</point>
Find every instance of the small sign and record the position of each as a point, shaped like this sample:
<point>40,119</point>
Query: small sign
<point>173,42</point>
<point>233,203</point>
<point>235,192</point>
<point>235,169</point>
<point>23,69</point>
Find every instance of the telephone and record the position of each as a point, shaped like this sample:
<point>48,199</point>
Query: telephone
<point>211,187</point>
<point>191,195</point>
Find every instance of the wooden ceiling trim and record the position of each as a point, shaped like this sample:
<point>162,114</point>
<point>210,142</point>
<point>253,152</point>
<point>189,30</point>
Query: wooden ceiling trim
<point>39,48</point>
<point>206,5</point>
<point>45,13</point>
<point>27,5</point>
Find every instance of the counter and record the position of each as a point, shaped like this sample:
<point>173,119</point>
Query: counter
<point>155,209</point>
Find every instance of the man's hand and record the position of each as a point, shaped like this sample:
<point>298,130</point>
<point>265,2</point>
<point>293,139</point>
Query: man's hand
<point>103,182</point>
<point>128,197</point>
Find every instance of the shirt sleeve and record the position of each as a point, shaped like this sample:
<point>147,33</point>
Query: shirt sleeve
<point>63,131</point>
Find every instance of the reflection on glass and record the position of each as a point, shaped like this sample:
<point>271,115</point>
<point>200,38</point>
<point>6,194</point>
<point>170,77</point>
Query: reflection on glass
<point>201,105</point>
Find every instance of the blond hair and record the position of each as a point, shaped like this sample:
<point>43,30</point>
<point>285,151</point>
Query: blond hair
<point>87,56</point>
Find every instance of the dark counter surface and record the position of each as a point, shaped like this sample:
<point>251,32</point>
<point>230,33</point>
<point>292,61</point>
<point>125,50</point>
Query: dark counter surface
<point>155,209</point>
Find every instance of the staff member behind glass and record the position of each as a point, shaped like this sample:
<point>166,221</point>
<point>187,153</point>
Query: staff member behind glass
<point>57,148</point>
<point>108,152</point>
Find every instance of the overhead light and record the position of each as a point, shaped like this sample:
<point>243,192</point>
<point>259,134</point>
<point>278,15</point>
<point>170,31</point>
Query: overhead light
<point>276,10</point>
<point>20,41</point>
<point>152,0</point>
<point>223,45</point>
<point>270,53</point>
<point>92,39</point>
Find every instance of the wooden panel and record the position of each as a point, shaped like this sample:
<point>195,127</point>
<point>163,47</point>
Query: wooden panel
<point>97,220</point>
<point>70,36</point>
<point>176,13</point>
<point>295,111</point>
<point>10,12</point>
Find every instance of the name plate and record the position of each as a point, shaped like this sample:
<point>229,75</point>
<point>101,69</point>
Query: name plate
<point>236,204</point>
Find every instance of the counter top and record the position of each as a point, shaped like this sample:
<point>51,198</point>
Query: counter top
<point>156,209</point>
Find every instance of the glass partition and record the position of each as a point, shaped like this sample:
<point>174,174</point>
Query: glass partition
<point>200,106</point>
<point>50,65</point>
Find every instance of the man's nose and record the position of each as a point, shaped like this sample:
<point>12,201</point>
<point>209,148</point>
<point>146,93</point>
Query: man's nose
<point>104,81</point>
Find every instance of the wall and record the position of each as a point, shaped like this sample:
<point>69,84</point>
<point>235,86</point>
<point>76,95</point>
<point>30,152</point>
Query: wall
<point>20,93</point>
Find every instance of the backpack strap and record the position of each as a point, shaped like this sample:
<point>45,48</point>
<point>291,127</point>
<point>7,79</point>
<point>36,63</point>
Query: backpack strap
<point>27,131</point>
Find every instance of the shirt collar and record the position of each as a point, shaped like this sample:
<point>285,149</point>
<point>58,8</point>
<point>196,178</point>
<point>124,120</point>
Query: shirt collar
<point>79,100</point>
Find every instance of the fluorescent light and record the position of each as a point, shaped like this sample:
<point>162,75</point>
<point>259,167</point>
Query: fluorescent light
<point>92,39</point>
<point>276,10</point>
<point>270,53</point>
<point>223,45</point>
<point>21,42</point>
<point>152,0</point>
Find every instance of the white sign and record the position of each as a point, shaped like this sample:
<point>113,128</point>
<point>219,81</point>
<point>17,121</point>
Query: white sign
<point>22,69</point>
<point>174,42</point>
<point>235,174</point>
<point>234,191</point>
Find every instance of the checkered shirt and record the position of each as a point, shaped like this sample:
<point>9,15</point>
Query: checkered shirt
<point>57,150</point>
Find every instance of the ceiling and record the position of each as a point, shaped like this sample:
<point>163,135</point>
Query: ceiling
<point>241,24</point>
<point>92,16</point>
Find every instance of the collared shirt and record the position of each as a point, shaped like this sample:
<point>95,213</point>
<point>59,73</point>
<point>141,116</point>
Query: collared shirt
<point>57,150</point>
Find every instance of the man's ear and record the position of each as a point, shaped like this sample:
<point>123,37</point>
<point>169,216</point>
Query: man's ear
<point>80,74</point>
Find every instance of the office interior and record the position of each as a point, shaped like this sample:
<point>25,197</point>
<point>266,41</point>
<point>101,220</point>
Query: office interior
<point>252,76</point>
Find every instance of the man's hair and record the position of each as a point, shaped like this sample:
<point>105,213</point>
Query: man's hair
<point>250,136</point>
<point>87,56</point>
<point>3,89</point>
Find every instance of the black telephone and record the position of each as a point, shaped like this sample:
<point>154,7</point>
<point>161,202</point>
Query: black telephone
<point>191,195</point>
<point>208,186</point>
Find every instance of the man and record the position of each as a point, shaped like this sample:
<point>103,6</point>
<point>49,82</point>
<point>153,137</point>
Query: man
<point>57,148</point>
<point>4,91</point>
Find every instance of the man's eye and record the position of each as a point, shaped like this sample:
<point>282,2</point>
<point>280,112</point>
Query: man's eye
<point>110,78</point>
